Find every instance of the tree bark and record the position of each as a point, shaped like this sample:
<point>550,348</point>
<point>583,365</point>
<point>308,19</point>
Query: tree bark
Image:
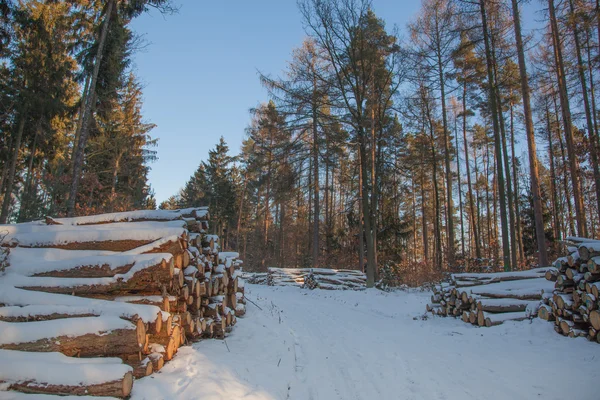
<point>531,146</point>
<point>81,145</point>
<point>593,138</point>
<point>567,122</point>
<point>494,111</point>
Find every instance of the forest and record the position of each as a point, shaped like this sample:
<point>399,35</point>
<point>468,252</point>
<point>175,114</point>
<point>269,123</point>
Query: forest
<point>73,140</point>
<point>468,137</point>
<point>456,141</point>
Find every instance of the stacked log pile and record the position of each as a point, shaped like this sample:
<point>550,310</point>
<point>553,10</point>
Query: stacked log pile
<point>89,304</point>
<point>488,299</point>
<point>313,278</point>
<point>574,306</point>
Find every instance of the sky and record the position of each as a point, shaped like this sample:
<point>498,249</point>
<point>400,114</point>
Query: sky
<point>200,69</point>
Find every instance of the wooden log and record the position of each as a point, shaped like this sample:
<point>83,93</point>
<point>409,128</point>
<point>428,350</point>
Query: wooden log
<point>504,305</point>
<point>93,267</point>
<point>81,337</point>
<point>594,319</point>
<point>545,313</point>
<point>157,360</point>
<point>147,280</point>
<point>142,368</point>
<point>55,374</point>
<point>497,319</point>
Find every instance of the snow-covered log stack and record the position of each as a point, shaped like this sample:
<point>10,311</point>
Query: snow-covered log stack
<point>313,278</point>
<point>488,299</point>
<point>89,304</point>
<point>575,304</point>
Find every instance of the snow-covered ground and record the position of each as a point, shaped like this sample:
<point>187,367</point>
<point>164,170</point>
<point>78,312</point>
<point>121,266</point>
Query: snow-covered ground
<point>348,345</point>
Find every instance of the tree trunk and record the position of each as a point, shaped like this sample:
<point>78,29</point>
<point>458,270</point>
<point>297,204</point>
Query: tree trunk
<point>568,127</point>
<point>593,138</point>
<point>361,225</point>
<point>470,187</point>
<point>494,111</point>
<point>447,145</point>
<point>316,215</point>
<point>553,189</point>
<point>371,266</point>
<point>460,200</point>
<point>78,159</point>
<point>519,231</point>
<point>531,146</point>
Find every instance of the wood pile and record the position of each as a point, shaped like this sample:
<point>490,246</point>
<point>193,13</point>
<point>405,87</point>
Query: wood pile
<point>488,299</point>
<point>574,306</point>
<point>313,278</point>
<point>90,304</point>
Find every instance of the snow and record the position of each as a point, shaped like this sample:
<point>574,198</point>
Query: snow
<point>24,262</point>
<point>224,255</point>
<point>128,216</point>
<point>522,287</point>
<point>58,369</point>
<point>10,295</point>
<point>366,345</point>
<point>17,332</point>
<point>24,396</point>
<point>532,273</point>
<point>47,235</point>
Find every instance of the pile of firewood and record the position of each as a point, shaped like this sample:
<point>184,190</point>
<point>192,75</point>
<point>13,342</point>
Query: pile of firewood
<point>488,299</point>
<point>89,304</point>
<point>313,278</point>
<point>575,304</point>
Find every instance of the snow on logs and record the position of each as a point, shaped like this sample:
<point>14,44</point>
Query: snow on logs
<point>574,306</point>
<point>312,278</point>
<point>489,299</point>
<point>55,373</point>
<point>89,304</point>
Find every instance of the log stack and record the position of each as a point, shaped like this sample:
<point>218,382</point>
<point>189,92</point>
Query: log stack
<point>311,278</point>
<point>90,304</point>
<point>574,306</point>
<point>488,299</point>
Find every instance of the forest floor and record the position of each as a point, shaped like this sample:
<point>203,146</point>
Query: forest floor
<point>324,345</point>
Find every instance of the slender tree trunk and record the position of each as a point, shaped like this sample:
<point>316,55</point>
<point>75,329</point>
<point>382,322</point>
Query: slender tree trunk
<point>518,232</point>
<point>567,197</point>
<point>494,111</point>
<point>361,225</point>
<point>553,189</point>
<point>460,201</point>
<point>241,211</point>
<point>424,219</point>
<point>316,216</point>
<point>447,145</point>
<point>568,127</point>
<point>531,147</point>
<point>81,145</point>
<point>84,97</point>
<point>371,267</point>
<point>374,189</point>
<point>509,193</point>
<point>586,103</point>
<point>470,195</point>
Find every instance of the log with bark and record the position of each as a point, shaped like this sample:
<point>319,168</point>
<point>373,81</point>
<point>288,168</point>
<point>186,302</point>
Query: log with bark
<point>54,373</point>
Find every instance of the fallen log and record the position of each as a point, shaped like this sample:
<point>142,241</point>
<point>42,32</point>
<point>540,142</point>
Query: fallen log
<point>504,305</point>
<point>81,337</point>
<point>497,319</point>
<point>54,373</point>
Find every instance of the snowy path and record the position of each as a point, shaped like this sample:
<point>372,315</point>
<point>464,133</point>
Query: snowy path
<point>365,345</point>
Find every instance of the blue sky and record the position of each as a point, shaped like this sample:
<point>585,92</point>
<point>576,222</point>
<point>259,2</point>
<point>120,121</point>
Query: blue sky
<point>200,73</point>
